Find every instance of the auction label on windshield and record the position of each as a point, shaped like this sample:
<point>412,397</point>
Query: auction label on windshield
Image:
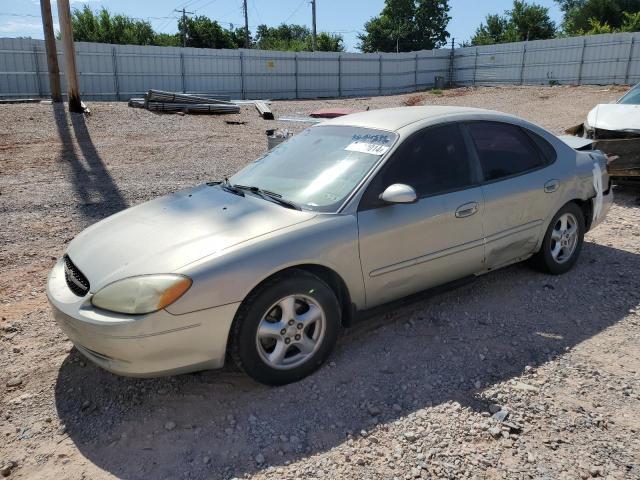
<point>373,144</point>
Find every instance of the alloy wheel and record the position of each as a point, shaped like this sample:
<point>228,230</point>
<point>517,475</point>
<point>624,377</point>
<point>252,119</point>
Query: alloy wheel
<point>290,332</point>
<point>564,238</point>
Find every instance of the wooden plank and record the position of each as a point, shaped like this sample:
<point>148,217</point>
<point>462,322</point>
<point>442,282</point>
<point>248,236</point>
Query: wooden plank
<point>264,110</point>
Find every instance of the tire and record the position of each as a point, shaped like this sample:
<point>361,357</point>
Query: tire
<point>549,259</point>
<point>272,315</point>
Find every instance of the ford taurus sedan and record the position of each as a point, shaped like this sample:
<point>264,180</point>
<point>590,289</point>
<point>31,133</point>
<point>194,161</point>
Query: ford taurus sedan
<point>266,266</point>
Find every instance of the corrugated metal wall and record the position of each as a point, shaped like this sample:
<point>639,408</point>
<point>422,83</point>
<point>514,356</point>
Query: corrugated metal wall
<point>109,72</point>
<point>594,59</point>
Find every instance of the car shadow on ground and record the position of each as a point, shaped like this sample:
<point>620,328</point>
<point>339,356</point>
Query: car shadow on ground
<point>98,194</point>
<point>439,348</point>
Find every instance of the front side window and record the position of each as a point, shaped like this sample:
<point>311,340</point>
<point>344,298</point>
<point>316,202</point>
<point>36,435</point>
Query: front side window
<point>432,161</point>
<point>318,168</point>
<point>504,150</point>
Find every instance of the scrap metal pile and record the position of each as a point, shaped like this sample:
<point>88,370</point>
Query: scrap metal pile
<point>159,101</point>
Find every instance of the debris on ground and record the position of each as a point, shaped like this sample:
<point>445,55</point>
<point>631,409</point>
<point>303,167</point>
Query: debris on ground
<point>277,136</point>
<point>171,102</point>
<point>264,110</point>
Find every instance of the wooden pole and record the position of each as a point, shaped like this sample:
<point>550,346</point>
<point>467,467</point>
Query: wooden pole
<point>73,89</point>
<point>52,54</point>
<point>246,26</point>
<point>314,38</point>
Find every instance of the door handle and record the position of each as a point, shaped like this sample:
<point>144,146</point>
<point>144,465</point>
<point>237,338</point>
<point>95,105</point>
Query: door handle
<point>551,186</point>
<point>467,209</point>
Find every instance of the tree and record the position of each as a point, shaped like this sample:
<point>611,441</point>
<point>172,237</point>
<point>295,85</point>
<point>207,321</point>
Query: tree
<point>295,38</point>
<point>405,25</point>
<point>199,32</point>
<point>531,21</point>
<point>202,32</point>
<point>523,22</point>
<point>580,16</point>
<point>432,18</point>
<point>237,36</point>
<point>329,42</point>
<point>103,27</point>
<point>498,29</point>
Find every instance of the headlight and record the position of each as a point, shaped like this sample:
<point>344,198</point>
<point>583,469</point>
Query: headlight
<point>143,294</point>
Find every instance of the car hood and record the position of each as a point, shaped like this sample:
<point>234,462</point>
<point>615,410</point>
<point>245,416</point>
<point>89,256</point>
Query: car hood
<point>615,116</point>
<point>169,232</point>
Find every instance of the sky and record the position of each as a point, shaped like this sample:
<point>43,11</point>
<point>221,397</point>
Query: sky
<point>347,17</point>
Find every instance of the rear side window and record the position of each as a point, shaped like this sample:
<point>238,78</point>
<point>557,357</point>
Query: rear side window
<point>432,161</point>
<point>546,149</point>
<point>504,150</point>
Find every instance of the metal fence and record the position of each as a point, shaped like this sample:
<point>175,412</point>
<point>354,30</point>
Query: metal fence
<point>118,72</point>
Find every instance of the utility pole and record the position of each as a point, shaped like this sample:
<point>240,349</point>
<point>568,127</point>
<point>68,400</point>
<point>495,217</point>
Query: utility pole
<point>73,89</point>
<point>313,26</point>
<point>184,25</point>
<point>246,25</point>
<point>52,54</point>
<point>451,59</point>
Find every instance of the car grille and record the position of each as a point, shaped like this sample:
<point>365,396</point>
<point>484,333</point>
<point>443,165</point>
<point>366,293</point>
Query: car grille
<point>76,281</point>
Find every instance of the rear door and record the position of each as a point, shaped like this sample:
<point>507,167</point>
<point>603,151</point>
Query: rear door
<point>405,248</point>
<point>520,183</point>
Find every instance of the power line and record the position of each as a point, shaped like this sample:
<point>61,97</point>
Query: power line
<point>255,9</point>
<point>295,11</point>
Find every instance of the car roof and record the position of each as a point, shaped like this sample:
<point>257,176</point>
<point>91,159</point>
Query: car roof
<point>396,118</point>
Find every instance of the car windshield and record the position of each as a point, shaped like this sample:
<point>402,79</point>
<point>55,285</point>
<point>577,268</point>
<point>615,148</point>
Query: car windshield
<point>318,168</point>
<point>632,97</point>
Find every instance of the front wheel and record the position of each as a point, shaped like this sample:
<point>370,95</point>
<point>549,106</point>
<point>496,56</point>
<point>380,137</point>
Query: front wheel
<point>286,329</point>
<point>562,241</point>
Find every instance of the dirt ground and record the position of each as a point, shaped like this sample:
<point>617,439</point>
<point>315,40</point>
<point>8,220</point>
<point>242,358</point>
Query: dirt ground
<point>517,375</point>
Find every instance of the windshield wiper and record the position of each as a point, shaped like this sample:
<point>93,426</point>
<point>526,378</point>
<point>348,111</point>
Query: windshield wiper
<point>275,197</point>
<point>225,185</point>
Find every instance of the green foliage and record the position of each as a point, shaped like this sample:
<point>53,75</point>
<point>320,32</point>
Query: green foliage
<point>295,38</point>
<point>630,22</point>
<point>103,27</point>
<point>497,29</point>
<point>406,25</point>
<point>531,21</point>
<point>523,22</point>
<point>599,16</point>
<point>202,32</point>
<point>596,28</point>
<point>199,31</point>
<point>167,40</point>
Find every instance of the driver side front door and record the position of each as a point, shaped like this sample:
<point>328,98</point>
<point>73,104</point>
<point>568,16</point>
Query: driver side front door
<point>405,248</point>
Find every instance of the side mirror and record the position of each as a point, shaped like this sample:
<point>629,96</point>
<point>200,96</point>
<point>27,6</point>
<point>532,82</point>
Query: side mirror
<point>399,193</point>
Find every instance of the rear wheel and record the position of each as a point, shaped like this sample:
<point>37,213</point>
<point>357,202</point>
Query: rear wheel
<point>286,329</point>
<point>562,241</point>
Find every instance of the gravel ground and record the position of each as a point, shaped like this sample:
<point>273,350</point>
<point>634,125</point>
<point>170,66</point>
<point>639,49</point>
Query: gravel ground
<point>516,375</point>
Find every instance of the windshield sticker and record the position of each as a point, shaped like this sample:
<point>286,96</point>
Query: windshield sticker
<point>372,148</point>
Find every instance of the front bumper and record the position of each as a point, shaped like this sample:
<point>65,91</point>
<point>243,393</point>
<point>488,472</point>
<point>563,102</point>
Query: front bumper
<point>158,343</point>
